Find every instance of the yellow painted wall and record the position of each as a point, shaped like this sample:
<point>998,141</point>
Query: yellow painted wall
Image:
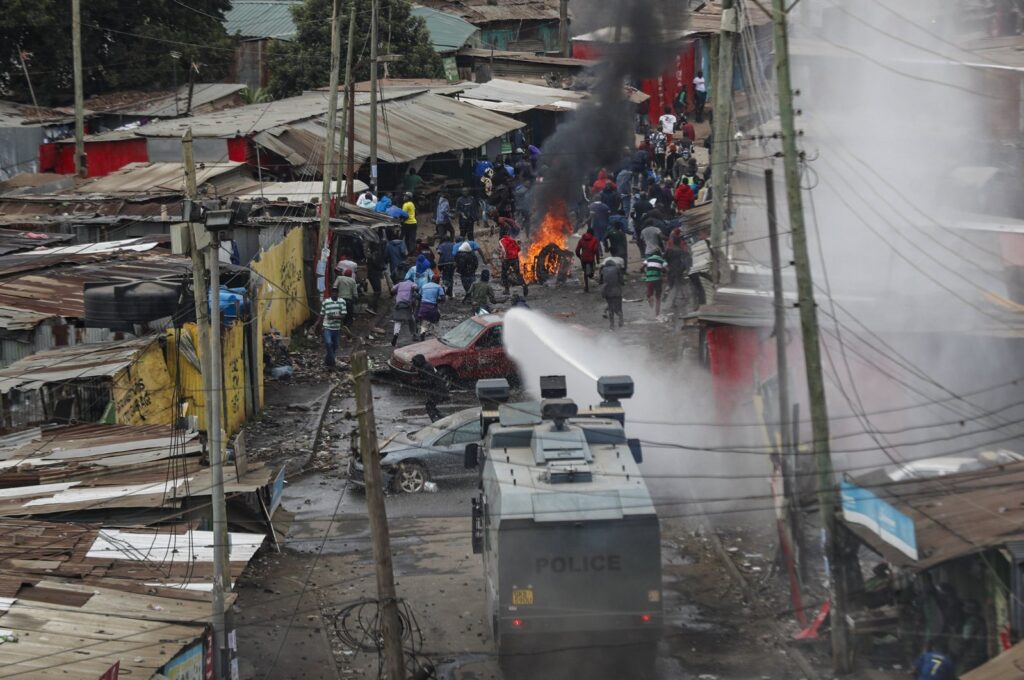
<point>144,391</point>
<point>233,350</point>
<point>283,293</point>
<point>233,353</point>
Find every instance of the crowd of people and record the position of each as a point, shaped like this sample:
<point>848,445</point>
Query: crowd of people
<point>643,200</point>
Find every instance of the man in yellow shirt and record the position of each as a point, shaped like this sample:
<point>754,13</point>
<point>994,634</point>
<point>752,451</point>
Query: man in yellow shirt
<point>409,226</point>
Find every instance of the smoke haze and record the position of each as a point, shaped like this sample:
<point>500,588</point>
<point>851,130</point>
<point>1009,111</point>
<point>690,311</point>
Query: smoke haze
<point>670,412</point>
<point>600,130</point>
<point>899,127</point>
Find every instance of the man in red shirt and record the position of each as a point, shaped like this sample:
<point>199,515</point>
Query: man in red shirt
<point>602,180</point>
<point>589,251</point>
<point>683,197</point>
<point>688,131</point>
<point>510,272</point>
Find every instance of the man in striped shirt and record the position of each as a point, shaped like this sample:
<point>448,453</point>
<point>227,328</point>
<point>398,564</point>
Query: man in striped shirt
<point>332,313</point>
<point>655,268</point>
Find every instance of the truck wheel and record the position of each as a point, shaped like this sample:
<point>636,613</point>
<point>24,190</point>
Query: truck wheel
<point>410,477</point>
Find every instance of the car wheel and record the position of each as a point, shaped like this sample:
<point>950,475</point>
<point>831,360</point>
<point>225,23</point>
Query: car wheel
<point>410,478</point>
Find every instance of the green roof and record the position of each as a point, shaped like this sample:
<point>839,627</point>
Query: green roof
<point>447,31</point>
<point>261,19</point>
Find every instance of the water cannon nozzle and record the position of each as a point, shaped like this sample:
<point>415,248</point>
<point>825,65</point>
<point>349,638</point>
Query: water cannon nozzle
<point>553,387</point>
<point>495,390</point>
<point>615,387</point>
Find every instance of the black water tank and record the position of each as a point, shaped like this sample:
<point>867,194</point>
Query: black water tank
<point>119,306</point>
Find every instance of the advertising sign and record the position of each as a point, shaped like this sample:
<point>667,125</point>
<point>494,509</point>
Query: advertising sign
<point>863,507</point>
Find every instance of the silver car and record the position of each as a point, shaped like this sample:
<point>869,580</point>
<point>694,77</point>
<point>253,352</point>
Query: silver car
<point>436,452</point>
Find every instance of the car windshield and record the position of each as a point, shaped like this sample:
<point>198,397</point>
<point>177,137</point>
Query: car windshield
<point>446,424</point>
<point>463,334</point>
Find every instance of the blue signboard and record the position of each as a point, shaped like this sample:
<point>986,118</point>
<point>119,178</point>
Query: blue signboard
<point>187,665</point>
<point>863,507</point>
<point>276,492</point>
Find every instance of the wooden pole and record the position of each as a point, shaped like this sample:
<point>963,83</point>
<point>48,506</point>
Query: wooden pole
<point>373,95</point>
<point>812,348</point>
<point>206,363</point>
<point>721,133</point>
<point>345,109</point>
<point>784,459</point>
<point>350,169</point>
<point>332,120</point>
<point>563,27</point>
<point>76,48</point>
<point>781,359</point>
<point>391,632</point>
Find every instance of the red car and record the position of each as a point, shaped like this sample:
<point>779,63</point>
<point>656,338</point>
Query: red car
<point>470,351</point>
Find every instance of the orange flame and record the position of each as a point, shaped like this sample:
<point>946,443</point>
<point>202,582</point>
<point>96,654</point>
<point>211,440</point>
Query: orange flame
<point>554,229</point>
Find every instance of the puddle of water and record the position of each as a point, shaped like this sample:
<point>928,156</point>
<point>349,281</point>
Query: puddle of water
<point>688,617</point>
<point>456,669</point>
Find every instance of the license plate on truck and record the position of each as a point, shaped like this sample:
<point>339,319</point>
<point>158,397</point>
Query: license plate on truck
<point>522,596</point>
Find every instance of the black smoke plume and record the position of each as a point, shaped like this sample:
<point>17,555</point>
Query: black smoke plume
<point>601,129</point>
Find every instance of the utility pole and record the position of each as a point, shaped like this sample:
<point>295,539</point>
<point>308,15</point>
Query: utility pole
<point>332,119</point>
<point>812,348</point>
<point>721,133</point>
<point>76,47</point>
<point>782,362</point>
<point>211,403</point>
<point>373,95</point>
<point>350,168</point>
<point>391,632</point>
<point>563,27</point>
<point>191,87</point>
<point>783,460</point>
<point>221,573</point>
<point>348,85</point>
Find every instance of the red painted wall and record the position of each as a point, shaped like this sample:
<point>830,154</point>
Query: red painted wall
<point>663,90</point>
<point>732,353</point>
<point>103,157</point>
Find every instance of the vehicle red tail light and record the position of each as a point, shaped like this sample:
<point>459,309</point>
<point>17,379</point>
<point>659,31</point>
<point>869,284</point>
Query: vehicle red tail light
<point>517,623</point>
<point>646,618</point>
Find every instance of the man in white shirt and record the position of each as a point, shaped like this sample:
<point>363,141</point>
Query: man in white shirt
<point>668,122</point>
<point>700,91</point>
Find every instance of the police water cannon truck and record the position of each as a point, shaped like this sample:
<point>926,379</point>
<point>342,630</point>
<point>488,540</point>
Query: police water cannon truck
<point>565,523</point>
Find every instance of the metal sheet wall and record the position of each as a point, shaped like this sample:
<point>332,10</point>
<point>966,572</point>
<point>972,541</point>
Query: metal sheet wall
<point>283,292</point>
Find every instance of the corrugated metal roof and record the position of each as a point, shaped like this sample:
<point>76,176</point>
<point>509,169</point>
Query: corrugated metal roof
<point>524,94</point>
<point>480,12</point>
<point>528,57</point>
<point>15,114</point>
<point>204,95</point>
<point>84,446</point>
<point>72,363</point>
<point>14,319</point>
<point>14,241</point>
<point>240,121</point>
<point>409,85</point>
<point>408,128</point>
<point>58,291</point>
<point>499,107</point>
<point>946,509</point>
<point>300,192</point>
<point>448,32</point>
<point>80,598</point>
<point>164,178</point>
<point>261,19</point>
<point>1005,666</point>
